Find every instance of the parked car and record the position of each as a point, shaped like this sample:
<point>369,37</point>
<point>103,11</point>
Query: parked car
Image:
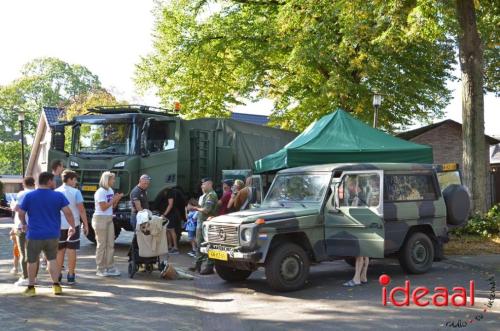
<point>339,211</point>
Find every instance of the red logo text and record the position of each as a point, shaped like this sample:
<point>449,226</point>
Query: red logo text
<point>440,295</point>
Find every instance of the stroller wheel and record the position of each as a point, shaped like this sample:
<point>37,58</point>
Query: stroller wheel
<point>132,268</point>
<point>161,265</point>
<point>149,268</point>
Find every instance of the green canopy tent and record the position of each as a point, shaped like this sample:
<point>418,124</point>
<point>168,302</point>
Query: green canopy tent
<point>340,138</point>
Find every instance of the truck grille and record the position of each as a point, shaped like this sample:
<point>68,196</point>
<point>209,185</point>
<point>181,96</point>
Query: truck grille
<point>223,234</point>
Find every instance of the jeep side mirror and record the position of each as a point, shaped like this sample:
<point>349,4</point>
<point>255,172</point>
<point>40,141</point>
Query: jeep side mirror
<point>335,198</point>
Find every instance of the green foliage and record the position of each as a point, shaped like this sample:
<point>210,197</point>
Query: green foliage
<point>308,56</point>
<point>486,226</point>
<point>43,82</point>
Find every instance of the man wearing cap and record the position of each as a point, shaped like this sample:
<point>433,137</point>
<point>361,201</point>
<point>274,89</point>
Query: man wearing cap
<point>207,208</point>
<point>139,198</point>
<point>226,196</point>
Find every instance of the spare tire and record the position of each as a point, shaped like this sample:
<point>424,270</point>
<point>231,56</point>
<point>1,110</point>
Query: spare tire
<point>457,202</point>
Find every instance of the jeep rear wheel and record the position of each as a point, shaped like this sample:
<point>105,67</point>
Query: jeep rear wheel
<point>287,268</point>
<point>230,274</point>
<point>417,254</point>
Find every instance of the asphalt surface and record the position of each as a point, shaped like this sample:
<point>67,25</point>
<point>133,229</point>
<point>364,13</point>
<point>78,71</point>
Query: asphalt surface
<point>208,303</point>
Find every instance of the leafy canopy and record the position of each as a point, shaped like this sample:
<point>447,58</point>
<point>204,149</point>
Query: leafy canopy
<point>308,56</point>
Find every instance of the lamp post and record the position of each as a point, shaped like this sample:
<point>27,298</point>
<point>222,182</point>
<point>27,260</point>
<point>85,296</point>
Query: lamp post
<point>20,118</point>
<point>377,100</point>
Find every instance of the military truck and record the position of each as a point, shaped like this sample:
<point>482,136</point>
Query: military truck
<point>340,211</point>
<point>131,140</point>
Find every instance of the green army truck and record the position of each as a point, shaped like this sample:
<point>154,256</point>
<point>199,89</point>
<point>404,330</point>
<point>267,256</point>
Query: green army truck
<point>340,211</point>
<point>132,140</point>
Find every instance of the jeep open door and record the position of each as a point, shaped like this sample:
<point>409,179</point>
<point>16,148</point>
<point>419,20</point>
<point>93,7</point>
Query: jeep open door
<point>354,223</point>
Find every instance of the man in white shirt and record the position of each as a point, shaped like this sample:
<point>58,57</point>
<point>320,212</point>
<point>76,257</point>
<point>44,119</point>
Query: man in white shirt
<point>28,185</point>
<point>72,243</point>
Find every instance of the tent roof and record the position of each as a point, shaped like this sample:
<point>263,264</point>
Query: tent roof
<point>337,138</point>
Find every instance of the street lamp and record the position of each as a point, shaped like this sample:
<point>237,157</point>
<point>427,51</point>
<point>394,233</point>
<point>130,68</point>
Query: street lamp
<point>20,118</point>
<point>377,100</point>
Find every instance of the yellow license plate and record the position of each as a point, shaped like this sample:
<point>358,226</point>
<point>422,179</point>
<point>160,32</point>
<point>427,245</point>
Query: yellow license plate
<point>89,188</point>
<point>217,255</point>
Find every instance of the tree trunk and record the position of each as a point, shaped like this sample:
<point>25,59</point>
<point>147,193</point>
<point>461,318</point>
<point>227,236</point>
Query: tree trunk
<point>475,161</point>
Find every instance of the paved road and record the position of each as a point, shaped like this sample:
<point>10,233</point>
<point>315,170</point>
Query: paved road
<point>208,303</point>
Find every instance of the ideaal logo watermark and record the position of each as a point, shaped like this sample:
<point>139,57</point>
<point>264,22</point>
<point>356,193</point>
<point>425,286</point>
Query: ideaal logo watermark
<point>460,297</point>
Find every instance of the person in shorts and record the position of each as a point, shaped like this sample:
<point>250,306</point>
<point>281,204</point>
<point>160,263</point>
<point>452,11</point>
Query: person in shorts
<point>43,207</point>
<point>69,244</point>
<point>174,221</point>
<point>29,186</point>
<point>191,225</point>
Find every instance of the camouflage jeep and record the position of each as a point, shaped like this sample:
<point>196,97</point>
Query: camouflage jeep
<point>339,211</point>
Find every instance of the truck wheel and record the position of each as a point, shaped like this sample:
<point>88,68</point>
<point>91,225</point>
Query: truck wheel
<point>91,234</point>
<point>417,254</point>
<point>350,261</point>
<point>287,268</point>
<point>232,274</point>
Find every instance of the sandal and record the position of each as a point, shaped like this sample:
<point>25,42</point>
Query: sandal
<point>363,283</point>
<point>351,283</point>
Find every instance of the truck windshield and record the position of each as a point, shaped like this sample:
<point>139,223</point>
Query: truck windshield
<point>303,189</point>
<point>104,138</point>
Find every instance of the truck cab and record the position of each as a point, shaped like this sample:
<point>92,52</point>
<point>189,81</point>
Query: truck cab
<point>338,211</point>
<point>128,143</point>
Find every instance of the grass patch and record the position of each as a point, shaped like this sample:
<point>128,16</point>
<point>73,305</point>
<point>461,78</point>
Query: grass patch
<point>472,245</point>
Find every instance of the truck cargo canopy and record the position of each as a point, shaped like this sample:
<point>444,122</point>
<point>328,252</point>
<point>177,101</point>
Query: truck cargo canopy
<point>338,138</point>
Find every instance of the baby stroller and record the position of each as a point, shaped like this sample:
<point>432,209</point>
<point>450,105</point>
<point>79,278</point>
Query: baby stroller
<point>149,243</point>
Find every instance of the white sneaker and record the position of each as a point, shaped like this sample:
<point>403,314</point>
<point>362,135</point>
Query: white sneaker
<point>102,273</point>
<point>113,271</point>
<point>22,282</point>
<point>14,271</point>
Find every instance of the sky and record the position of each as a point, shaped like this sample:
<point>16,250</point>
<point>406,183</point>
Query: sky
<point>109,37</point>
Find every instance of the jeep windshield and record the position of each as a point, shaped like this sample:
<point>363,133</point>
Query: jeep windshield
<point>104,138</point>
<point>306,190</point>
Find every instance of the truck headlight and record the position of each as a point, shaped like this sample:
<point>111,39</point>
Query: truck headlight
<point>124,205</point>
<point>73,164</point>
<point>246,234</point>
<point>119,164</point>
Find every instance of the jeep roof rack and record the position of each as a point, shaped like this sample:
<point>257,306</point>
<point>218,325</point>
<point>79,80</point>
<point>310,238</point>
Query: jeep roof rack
<point>123,109</point>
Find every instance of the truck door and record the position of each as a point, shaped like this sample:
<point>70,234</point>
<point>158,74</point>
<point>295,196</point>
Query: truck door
<point>159,153</point>
<point>354,216</point>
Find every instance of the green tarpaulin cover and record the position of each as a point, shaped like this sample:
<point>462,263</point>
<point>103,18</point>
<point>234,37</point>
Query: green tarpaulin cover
<point>340,138</point>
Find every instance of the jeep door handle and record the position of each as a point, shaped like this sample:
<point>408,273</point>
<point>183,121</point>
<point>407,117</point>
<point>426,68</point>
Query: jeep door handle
<point>375,225</point>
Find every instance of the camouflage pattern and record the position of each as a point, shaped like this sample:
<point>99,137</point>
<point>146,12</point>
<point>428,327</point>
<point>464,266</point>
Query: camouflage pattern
<point>328,233</point>
<point>209,204</point>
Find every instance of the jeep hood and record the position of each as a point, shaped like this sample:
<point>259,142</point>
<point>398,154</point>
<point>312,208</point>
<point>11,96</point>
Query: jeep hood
<point>250,216</point>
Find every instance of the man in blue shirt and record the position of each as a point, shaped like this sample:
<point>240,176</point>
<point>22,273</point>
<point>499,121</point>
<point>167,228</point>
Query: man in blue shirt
<point>43,207</point>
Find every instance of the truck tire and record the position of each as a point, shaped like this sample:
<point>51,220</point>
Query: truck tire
<point>287,268</point>
<point>457,203</point>
<point>91,234</point>
<point>350,261</point>
<point>230,274</point>
<point>417,254</point>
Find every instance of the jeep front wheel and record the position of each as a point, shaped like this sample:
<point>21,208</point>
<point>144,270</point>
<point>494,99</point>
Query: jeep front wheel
<point>230,274</point>
<point>287,268</point>
<point>417,254</point>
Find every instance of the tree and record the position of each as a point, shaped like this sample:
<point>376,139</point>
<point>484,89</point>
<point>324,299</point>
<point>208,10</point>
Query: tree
<point>43,82</point>
<point>471,52</point>
<point>308,56</point>
<point>82,103</point>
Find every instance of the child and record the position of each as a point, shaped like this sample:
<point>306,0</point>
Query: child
<point>15,251</point>
<point>191,225</point>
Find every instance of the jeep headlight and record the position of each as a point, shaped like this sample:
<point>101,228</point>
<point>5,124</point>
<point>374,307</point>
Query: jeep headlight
<point>205,232</point>
<point>246,235</point>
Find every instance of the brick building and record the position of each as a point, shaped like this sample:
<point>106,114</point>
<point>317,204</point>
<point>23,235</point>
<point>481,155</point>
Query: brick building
<point>446,140</point>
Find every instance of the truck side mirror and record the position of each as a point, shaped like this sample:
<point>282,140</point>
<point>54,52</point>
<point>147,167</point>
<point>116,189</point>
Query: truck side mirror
<point>337,192</point>
<point>58,138</point>
<point>144,139</point>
